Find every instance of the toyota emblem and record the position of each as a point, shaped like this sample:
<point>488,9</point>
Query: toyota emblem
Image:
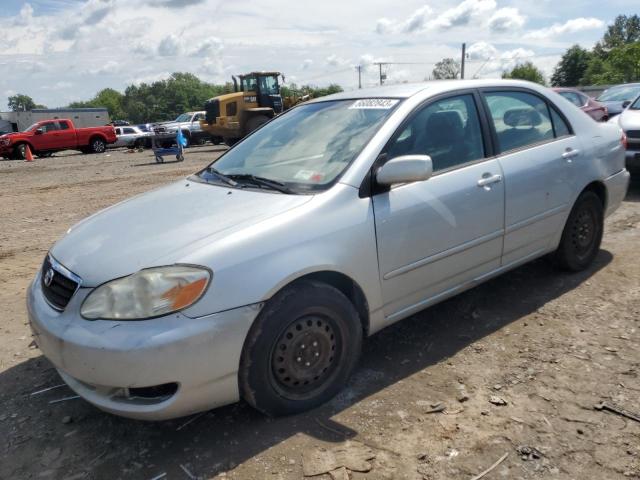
<point>48,277</point>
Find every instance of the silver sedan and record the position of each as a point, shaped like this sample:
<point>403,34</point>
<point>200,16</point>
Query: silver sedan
<point>259,276</point>
<point>629,121</point>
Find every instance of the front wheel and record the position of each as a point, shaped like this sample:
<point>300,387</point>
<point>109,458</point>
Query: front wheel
<point>582,234</point>
<point>301,350</point>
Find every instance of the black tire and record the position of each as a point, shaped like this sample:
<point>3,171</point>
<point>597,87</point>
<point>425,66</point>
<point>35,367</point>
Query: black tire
<point>230,142</point>
<point>44,154</point>
<point>217,140</point>
<point>582,234</point>
<point>20,151</point>
<point>301,350</point>
<point>138,144</point>
<point>255,122</point>
<point>97,145</point>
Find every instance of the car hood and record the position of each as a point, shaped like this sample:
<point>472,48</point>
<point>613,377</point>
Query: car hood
<point>614,108</point>
<point>629,120</point>
<point>156,228</point>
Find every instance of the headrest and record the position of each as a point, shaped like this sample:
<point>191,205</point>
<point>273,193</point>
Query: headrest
<point>449,119</point>
<point>522,117</point>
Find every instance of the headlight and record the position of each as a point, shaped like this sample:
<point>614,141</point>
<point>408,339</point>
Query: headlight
<point>5,141</point>
<point>146,294</point>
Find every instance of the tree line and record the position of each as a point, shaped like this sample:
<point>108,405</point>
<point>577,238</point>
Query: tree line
<point>163,99</point>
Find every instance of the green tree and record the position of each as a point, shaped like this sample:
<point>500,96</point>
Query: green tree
<point>446,69</point>
<point>526,71</point>
<point>624,30</point>
<point>572,67</point>
<point>21,103</point>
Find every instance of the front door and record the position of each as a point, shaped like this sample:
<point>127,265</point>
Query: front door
<point>537,153</point>
<point>47,140</point>
<point>436,236</point>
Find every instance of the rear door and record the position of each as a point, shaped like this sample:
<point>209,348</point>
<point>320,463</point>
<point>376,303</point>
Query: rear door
<point>436,236</point>
<point>537,150</point>
<point>66,135</point>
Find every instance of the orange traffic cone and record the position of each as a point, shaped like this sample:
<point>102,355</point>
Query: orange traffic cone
<point>28,157</point>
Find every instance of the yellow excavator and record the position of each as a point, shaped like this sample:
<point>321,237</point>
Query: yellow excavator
<point>256,99</point>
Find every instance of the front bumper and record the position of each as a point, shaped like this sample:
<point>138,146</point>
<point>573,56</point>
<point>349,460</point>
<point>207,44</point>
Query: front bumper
<point>102,360</point>
<point>632,158</point>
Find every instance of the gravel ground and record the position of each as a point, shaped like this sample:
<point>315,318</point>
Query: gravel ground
<point>518,365</point>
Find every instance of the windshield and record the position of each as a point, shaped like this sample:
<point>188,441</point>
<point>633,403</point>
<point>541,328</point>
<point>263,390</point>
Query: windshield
<point>32,127</point>
<point>185,117</point>
<point>620,94</point>
<point>269,85</point>
<point>307,148</point>
<point>249,84</point>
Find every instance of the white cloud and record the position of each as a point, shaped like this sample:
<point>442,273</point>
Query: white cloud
<point>570,26</point>
<point>506,19</point>
<point>306,64</point>
<point>337,61</point>
<point>463,13</point>
<point>418,20</point>
<point>384,26</point>
<point>209,47</point>
<point>170,46</point>
<point>489,61</point>
<point>25,16</point>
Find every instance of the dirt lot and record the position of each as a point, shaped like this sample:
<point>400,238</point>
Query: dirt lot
<point>548,345</point>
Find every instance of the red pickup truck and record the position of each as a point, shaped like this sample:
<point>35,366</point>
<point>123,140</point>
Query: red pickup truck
<point>48,136</point>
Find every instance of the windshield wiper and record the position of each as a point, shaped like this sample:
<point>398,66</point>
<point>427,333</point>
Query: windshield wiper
<point>222,177</point>
<point>262,182</point>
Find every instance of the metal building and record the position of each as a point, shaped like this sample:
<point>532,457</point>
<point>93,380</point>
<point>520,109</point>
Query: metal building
<point>82,117</point>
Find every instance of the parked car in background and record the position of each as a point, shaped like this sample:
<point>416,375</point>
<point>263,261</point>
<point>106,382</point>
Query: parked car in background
<point>619,97</point>
<point>132,137</point>
<point>259,276</point>
<point>593,108</point>
<point>188,123</point>
<point>48,136</point>
<point>629,121</point>
<point>119,123</point>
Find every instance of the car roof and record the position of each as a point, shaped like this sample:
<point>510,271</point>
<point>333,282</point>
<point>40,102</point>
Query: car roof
<point>406,90</point>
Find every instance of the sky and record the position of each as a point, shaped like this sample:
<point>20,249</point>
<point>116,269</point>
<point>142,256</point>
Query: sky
<point>59,51</point>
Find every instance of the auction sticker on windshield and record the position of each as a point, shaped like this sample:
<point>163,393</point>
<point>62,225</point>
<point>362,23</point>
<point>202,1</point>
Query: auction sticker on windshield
<point>375,103</point>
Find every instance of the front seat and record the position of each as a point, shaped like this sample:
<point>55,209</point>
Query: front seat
<point>443,139</point>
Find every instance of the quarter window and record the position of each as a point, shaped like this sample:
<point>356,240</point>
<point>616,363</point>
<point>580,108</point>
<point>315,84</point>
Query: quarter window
<point>559,125</point>
<point>520,119</point>
<point>447,130</point>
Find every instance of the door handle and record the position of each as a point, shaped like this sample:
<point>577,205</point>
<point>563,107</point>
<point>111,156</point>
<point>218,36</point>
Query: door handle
<point>488,179</point>
<point>570,153</point>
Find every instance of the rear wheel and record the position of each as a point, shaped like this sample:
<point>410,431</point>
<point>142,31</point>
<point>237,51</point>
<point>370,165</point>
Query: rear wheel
<point>217,140</point>
<point>230,142</point>
<point>301,350</point>
<point>582,233</point>
<point>44,154</point>
<point>97,145</point>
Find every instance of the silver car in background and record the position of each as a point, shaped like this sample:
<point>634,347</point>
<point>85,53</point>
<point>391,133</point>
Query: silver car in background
<point>259,276</point>
<point>629,121</point>
<point>131,137</point>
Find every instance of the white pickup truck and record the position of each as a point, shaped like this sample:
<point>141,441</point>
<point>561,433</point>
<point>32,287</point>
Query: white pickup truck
<point>189,123</point>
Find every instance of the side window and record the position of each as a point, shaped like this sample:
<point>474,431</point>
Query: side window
<point>49,127</point>
<point>197,117</point>
<point>559,125</point>
<point>520,119</point>
<point>447,130</point>
<point>64,125</point>
<point>118,131</point>
<point>573,98</point>
<point>128,131</point>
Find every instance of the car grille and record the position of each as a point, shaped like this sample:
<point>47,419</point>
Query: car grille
<point>61,286</point>
<point>633,134</point>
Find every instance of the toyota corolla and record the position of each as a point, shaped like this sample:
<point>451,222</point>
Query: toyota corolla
<point>259,276</point>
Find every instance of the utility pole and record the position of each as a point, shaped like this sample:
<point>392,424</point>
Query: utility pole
<point>383,76</point>
<point>464,57</point>
<point>380,66</point>
<point>359,68</point>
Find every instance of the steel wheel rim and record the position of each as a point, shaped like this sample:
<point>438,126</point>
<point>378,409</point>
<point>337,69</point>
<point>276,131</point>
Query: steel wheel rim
<point>98,146</point>
<point>583,232</point>
<point>305,356</point>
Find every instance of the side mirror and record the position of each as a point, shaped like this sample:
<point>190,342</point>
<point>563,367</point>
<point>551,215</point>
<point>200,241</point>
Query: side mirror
<point>626,103</point>
<point>39,131</point>
<point>405,169</point>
